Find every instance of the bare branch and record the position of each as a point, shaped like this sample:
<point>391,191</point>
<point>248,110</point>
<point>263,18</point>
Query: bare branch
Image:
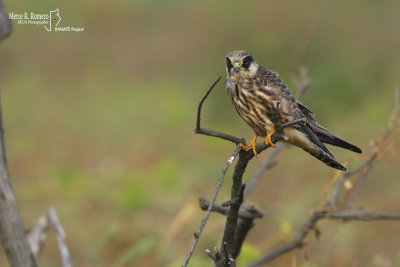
<point>247,212</point>
<point>363,215</point>
<point>298,240</point>
<point>301,83</point>
<point>202,101</point>
<point>367,164</point>
<point>37,235</point>
<point>208,132</point>
<point>5,24</point>
<point>207,215</point>
<point>60,234</point>
<point>12,232</point>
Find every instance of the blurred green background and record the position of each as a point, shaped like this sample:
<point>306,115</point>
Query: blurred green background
<point>99,124</point>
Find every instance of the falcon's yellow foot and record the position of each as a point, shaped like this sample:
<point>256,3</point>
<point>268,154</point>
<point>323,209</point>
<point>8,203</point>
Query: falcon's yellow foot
<point>268,140</point>
<point>252,144</point>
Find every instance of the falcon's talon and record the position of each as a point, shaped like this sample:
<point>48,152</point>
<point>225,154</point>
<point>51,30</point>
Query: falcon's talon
<point>252,144</point>
<point>244,147</point>
<point>268,138</point>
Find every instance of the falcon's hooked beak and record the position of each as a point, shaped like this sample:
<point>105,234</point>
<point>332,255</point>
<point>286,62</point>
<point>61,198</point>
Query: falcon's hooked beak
<point>236,66</point>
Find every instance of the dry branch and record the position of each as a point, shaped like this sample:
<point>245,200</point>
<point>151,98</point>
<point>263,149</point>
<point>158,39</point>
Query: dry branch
<point>207,215</point>
<point>5,24</point>
<point>363,215</point>
<point>208,132</point>
<point>247,212</point>
<point>12,233</point>
<point>38,234</point>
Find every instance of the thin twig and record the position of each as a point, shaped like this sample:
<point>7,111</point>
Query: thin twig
<point>337,191</point>
<point>356,191</point>
<point>202,101</point>
<point>221,135</point>
<point>60,234</point>
<point>363,215</point>
<point>38,234</point>
<point>298,240</point>
<point>199,130</point>
<point>207,215</point>
<point>368,163</point>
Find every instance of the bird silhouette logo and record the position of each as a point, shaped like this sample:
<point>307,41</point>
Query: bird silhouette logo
<point>54,19</point>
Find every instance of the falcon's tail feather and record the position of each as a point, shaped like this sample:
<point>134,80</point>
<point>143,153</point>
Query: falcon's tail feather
<point>330,138</point>
<point>327,159</point>
<point>319,150</point>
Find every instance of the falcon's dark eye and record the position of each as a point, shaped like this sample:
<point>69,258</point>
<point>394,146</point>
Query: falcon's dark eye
<point>247,61</point>
<point>228,63</point>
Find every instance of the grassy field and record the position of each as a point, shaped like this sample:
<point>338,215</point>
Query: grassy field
<point>99,124</point>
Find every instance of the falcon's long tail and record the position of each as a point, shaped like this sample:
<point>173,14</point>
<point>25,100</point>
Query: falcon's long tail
<point>326,158</point>
<point>305,138</point>
<point>330,138</point>
<point>319,150</point>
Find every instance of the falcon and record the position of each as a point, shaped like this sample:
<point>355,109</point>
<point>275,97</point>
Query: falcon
<point>255,90</point>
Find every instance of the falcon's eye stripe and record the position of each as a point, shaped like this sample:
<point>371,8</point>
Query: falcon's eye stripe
<point>228,63</point>
<point>247,61</point>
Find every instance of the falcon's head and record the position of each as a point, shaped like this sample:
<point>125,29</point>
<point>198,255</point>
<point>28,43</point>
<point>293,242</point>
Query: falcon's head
<point>240,64</point>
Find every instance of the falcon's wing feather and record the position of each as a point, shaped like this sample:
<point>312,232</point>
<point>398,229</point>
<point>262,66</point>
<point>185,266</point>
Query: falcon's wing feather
<point>306,111</point>
<point>308,130</point>
<point>324,134</point>
<point>286,98</point>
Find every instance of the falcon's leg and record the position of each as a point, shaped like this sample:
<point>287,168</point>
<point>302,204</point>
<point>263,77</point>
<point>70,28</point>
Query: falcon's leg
<point>268,140</point>
<point>252,144</point>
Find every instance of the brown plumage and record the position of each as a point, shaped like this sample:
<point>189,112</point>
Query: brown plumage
<point>254,89</point>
